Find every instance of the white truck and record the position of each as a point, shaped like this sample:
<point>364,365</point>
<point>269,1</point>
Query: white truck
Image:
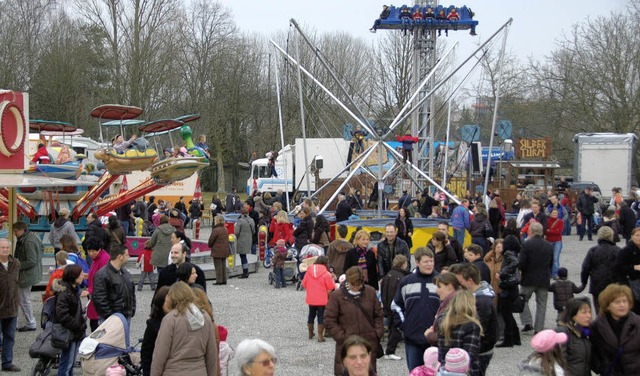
<point>326,157</point>
<point>605,159</point>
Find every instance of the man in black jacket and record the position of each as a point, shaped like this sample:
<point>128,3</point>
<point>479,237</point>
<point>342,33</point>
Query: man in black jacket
<point>428,202</point>
<point>469,277</point>
<point>627,220</point>
<point>168,277</point>
<point>585,207</point>
<point>535,261</point>
<point>113,289</point>
<point>389,247</point>
<point>95,231</point>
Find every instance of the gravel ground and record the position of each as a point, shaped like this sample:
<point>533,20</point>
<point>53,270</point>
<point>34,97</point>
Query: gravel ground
<point>251,308</point>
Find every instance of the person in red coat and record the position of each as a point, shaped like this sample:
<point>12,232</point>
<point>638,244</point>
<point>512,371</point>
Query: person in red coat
<point>317,282</point>
<point>553,235</point>
<point>281,228</point>
<point>407,146</point>
<point>42,155</point>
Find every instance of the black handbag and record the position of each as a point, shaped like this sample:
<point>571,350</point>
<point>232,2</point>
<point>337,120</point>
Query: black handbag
<point>510,281</point>
<point>41,347</point>
<point>60,336</point>
<point>518,304</point>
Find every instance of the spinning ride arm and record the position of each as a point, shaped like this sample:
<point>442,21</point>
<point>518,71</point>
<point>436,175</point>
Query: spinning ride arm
<point>115,201</point>
<point>84,204</point>
<point>24,207</point>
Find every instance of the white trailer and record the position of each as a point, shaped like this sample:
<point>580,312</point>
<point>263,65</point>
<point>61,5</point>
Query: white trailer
<point>326,155</point>
<point>605,159</point>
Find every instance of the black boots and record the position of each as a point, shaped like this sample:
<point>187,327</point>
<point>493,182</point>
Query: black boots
<point>245,273</point>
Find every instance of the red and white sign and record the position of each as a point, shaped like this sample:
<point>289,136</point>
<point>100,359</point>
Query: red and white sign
<point>14,114</point>
<point>197,194</point>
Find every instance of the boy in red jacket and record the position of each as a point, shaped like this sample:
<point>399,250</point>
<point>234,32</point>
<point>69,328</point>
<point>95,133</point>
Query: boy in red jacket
<point>147,269</point>
<point>317,283</point>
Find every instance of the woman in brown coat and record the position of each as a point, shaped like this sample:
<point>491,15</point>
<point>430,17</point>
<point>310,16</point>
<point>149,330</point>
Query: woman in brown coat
<point>493,259</point>
<point>186,343</point>
<point>354,309</point>
<point>219,244</point>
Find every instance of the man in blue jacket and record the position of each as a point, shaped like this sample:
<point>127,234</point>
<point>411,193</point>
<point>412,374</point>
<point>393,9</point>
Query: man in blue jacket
<point>415,305</point>
<point>460,220</point>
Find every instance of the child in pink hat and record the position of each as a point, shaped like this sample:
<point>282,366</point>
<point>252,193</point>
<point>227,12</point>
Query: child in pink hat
<point>456,363</point>
<point>431,364</point>
<point>547,354</point>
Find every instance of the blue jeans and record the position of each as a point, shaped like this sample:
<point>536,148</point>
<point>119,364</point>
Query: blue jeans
<point>459,235</point>
<point>415,355</point>
<point>279,274</point>
<point>67,358</point>
<point>557,248</point>
<point>8,338</point>
<point>125,227</point>
<point>244,262</point>
<point>313,311</point>
<point>586,228</point>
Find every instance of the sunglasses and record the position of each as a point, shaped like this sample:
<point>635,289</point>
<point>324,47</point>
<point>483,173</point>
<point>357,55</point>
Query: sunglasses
<point>266,362</point>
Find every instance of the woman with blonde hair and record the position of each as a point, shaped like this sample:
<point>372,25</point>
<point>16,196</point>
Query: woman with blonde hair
<point>363,257</point>
<point>186,341</point>
<point>281,228</point>
<point>460,328</point>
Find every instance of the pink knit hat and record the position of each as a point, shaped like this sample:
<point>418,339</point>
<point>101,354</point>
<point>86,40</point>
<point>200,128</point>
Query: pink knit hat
<point>457,360</point>
<point>546,340</point>
<point>116,370</point>
<point>431,359</point>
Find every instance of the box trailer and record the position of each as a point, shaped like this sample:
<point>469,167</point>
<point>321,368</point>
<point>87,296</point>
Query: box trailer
<point>605,159</point>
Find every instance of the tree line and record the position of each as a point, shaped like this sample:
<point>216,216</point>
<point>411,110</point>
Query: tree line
<point>172,58</point>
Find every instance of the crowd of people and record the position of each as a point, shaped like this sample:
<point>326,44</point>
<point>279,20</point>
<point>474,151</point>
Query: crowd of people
<point>452,303</point>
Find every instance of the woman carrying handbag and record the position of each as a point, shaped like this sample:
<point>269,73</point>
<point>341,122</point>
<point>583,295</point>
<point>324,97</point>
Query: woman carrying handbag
<point>509,278</point>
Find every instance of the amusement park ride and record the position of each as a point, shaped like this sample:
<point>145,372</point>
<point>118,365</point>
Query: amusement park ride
<point>43,192</point>
<point>424,33</point>
<point>140,157</point>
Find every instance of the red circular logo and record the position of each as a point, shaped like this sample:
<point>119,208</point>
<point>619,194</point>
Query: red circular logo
<point>12,131</point>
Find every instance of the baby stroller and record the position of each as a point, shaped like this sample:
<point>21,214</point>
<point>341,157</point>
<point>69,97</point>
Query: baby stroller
<point>107,346</point>
<point>290,267</point>
<point>41,348</point>
<point>308,255</point>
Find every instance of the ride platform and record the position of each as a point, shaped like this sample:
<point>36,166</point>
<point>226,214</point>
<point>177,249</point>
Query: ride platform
<point>394,22</point>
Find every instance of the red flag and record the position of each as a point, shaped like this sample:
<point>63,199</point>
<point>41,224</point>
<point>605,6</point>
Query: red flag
<point>198,191</point>
<point>124,186</point>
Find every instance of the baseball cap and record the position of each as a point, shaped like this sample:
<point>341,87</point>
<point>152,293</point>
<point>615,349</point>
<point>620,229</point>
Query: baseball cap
<point>546,340</point>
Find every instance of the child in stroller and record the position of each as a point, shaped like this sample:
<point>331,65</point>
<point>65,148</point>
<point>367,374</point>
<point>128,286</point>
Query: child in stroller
<point>109,346</point>
<point>283,263</point>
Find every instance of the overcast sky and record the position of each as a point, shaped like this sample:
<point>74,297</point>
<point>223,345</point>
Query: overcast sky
<point>536,24</point>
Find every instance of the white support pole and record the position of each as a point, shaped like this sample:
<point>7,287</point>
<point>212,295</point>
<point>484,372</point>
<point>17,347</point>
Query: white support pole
<point>347,167</point>
<point>405,116</point>
<point>425,81</point>
<point>427,177</point>
<point>286,182</point>
<point>329,93</point>
<point>302,123</point>
<point>360,163</point>
<point>333,75</point>
<point>495,112</point>
<point>446,146</point>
